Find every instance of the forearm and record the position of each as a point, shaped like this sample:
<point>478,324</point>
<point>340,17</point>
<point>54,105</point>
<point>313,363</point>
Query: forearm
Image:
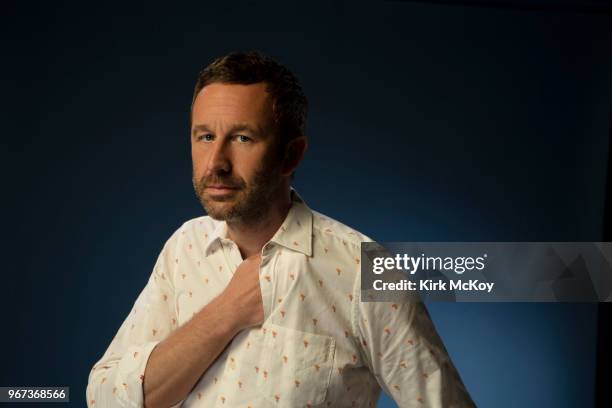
<point>177,363</point>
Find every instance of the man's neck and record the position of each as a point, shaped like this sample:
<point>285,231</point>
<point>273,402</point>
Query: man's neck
<point>251,237</point>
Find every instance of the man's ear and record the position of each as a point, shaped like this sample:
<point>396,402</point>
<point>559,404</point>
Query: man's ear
<point>294,154</point>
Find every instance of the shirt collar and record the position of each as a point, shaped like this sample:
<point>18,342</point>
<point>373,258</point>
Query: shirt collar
<point>295,232</point>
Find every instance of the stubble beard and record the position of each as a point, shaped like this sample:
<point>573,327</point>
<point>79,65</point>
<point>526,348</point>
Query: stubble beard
<point>252,200</point>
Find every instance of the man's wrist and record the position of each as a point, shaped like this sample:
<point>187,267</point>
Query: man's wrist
<point>225,321</point>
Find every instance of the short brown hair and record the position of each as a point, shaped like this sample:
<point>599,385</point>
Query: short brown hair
<point>289,104</point>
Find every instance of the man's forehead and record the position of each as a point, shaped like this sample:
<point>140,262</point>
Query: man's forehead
<point>243,102</point>
<point>222,93</point>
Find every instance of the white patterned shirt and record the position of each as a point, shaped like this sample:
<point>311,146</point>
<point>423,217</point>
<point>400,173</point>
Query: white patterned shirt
<point>319,345</point>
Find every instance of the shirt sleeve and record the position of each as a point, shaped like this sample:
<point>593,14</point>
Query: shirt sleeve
<point>117,378</point>
<point>406,355</point>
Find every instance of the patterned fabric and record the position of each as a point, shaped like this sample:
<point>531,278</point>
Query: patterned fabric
<point>318,345</point>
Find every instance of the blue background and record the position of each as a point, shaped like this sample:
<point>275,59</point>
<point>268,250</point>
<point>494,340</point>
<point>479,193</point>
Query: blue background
<point>427,122</point>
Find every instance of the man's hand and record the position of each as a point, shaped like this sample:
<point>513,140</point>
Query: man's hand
<point>177,362</point>
<point>243,294</point>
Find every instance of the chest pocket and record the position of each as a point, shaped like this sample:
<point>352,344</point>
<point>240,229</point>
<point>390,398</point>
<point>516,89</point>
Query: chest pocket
<point>296,368</point>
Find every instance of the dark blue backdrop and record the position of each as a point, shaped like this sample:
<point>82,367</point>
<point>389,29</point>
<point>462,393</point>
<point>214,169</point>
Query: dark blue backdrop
<point>427,122</point>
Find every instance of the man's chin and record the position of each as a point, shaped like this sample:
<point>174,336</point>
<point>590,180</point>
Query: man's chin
<point>217,217</point>
<point>219,212</point>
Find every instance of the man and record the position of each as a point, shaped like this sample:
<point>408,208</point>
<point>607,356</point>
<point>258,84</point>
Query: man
<point>258,303</point>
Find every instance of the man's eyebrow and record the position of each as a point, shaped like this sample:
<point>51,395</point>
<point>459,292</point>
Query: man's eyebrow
<point>201,127</point>
<point>238,127</point>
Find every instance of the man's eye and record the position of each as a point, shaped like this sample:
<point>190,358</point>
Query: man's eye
<point>207,137</point>
<point>243,138</point>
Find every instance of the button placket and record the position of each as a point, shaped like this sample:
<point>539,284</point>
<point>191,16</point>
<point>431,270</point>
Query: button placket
<point>266,279</point>
<point>235,256</point>
<point>228,247</point>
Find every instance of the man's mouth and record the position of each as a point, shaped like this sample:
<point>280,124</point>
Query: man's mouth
<point>217,189</point>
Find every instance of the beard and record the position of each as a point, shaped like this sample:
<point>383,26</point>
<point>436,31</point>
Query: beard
<point>248,202</point>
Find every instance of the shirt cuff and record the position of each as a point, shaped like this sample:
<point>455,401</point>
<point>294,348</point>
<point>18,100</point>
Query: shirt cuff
<point>130,375</point>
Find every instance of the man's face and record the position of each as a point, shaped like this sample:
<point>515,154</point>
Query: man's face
<point>236,168</point>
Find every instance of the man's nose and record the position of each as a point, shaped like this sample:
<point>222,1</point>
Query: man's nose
<point>218,161</point>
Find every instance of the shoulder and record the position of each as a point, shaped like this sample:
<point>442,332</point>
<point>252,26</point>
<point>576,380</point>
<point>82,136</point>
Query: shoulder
<point>331,230</point>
